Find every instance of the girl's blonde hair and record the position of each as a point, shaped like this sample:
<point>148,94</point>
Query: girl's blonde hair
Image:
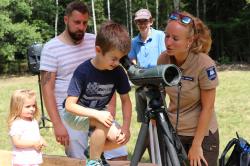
<point>17,102</point>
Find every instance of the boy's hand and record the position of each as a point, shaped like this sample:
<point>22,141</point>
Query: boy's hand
<point>105,118</point>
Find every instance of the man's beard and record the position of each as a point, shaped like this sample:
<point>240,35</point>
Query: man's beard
<point>76,36</point>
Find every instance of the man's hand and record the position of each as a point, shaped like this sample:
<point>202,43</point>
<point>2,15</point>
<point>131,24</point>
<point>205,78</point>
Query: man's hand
<point>124,136</point>
<point>61,134</point>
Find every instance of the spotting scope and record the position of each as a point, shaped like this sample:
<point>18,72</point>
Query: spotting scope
<point>168,75</point>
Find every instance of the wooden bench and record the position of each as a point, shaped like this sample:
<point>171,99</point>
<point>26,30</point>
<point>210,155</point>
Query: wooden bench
<point>54,160</point>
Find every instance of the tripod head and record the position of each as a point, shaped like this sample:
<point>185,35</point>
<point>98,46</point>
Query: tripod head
<point>34,54</point>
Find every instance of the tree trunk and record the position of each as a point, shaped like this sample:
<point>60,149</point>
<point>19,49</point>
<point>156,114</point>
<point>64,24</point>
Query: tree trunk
<point>108,5</point>
<point>126,5</point>
<point>176,5</point>
<point>56,18</point>
<point>197,8</point>
<point>157,14</point>
<point>131,19</point>
<point>93,11</point>
<point>204,10</point>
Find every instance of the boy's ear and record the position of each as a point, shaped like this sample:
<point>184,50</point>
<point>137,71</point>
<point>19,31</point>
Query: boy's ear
<point>98,49</point>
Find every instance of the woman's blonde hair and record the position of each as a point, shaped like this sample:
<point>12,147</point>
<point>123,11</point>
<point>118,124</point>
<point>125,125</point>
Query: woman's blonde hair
<point>17,102</point>
<point>202,36</point>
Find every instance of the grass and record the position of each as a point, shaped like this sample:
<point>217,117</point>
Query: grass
<point>232,108</point>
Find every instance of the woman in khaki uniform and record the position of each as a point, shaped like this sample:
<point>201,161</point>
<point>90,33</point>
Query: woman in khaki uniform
<point>188,42</point>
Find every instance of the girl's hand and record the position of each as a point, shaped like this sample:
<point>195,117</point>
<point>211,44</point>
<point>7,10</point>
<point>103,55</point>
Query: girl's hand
<point>43,142</point>
<point>38,146</point>
<point>195,156</point>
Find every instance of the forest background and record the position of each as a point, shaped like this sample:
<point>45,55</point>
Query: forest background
<point>24,22</point>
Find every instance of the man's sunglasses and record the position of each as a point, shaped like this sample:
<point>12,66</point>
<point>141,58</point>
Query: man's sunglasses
<point>180,17</point>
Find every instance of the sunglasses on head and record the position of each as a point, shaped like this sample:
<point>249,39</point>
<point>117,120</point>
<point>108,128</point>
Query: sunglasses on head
<point>180,17</point>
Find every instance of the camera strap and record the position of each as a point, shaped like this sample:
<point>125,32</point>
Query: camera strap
<point>178,106</point>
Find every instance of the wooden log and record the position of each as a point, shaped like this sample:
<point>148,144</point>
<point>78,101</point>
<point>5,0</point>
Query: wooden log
<point>54,160</point>
<point>5,158</point>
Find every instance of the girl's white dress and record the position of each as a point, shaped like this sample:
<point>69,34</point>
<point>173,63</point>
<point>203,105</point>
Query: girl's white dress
<point>27,130</point>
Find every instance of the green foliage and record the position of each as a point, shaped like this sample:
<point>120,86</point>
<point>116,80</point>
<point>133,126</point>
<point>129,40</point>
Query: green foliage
<point>24,35</point>
<point>16,34</point>
<point>5,22</point>
<point>4,3</point>
<point>25,21</point>
<point>224,60</point>
<point>6,50</point>
<point>43,17</point>
<point>46,31</point>
<point>20,10</point>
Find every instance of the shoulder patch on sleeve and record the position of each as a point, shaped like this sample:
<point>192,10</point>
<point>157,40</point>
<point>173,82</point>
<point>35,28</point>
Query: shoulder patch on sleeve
<point>211,73</point>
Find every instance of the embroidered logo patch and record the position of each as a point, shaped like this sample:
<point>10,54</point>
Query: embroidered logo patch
<point>211,73</point>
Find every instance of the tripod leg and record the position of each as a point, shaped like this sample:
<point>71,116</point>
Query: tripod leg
<point>168,139</point>
<point>43,117</point>
<point>139,146</point>
<point>157,146</point>
<point>151,143</point>
<point>165,158</point>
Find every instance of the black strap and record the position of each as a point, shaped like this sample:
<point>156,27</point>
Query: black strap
<point>228,147</point>
<point>178,107</point>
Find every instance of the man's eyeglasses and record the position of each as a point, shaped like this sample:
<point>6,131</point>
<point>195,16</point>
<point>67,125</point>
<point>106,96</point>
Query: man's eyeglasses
<point>180,17</point>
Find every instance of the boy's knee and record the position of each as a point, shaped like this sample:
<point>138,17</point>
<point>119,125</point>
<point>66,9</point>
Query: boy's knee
<point>113,133</point>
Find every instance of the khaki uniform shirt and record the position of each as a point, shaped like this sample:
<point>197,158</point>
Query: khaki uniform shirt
<point>198,72</point>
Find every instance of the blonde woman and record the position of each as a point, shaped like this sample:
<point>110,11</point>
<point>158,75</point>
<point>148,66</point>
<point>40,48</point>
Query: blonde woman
<point>188,42</point>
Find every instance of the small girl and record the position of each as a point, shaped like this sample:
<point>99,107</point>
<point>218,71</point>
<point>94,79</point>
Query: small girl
<point>24,130</point>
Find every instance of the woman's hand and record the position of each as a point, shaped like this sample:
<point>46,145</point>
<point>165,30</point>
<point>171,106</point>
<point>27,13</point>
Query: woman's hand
<point>195,156</point>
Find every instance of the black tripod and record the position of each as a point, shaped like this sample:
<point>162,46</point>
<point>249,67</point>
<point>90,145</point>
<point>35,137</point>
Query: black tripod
<point>43,117</point>
<point>171,149</point>
<point>34,54</point>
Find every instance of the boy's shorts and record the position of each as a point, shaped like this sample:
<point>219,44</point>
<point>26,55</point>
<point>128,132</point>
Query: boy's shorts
<point>76,122</point>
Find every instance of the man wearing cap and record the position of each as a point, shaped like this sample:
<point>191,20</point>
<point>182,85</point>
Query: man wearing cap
<point>149,43</point>
<point>145,50</point>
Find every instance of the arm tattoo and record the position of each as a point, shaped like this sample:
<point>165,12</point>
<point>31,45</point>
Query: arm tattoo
<point>45,77</point>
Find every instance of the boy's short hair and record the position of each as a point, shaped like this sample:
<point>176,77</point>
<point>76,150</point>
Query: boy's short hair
<point>76,5</point>
<point>112,35</point>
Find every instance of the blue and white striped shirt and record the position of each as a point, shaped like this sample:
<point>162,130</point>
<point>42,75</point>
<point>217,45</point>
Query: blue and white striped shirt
<point>63,59</point>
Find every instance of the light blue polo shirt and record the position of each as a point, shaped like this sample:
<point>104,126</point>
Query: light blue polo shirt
<point>146,53</point>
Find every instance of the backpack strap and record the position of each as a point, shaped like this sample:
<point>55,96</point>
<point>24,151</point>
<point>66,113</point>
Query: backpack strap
<point>245,155</point>
<point>228,147</point>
